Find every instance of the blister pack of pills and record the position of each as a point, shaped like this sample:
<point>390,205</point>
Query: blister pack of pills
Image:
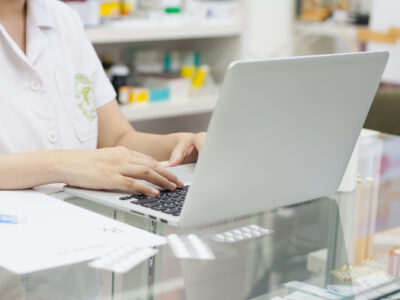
<point>124,259</point>
<point>190,247</point>
<point>241,234</point>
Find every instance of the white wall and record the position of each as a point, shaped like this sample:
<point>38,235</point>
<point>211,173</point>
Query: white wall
<point>268,27</point>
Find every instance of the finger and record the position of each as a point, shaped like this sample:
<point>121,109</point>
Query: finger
<point>160,169</point>
<point>133,186</point>
<point>192,149</point>
<point>148,174</point>
<point>178,155</point>
<point>199,140</point>
<point>192,155</point>
<point>189,156</point>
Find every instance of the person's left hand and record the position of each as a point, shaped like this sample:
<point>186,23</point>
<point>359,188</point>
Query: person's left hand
<point>187,149</point>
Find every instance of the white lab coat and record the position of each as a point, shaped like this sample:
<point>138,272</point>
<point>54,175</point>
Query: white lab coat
<point>49,97</point>
<point>48,100</point>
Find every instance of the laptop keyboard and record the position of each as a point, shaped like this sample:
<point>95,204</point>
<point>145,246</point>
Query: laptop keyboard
<point>169,202</point>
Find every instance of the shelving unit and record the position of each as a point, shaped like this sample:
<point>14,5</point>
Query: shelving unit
<point>149,111</point>
<point>327,28</point>
<point>219,42</point>
<point>254,31</point>
<point>326,37</point>
<point>145,31</point>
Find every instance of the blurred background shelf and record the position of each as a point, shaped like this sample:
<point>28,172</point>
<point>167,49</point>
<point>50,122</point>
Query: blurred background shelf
<point>247,29</point>
<point>149,111</point>
<point>144,31</point>
<point>327,28</point>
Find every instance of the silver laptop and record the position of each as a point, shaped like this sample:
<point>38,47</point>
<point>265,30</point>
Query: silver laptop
<point>283,132</point>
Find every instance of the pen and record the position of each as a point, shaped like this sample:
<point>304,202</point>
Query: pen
<point>9,219</point>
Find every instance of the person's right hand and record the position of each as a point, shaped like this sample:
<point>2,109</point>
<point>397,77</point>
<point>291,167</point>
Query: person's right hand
<point>114,169</point>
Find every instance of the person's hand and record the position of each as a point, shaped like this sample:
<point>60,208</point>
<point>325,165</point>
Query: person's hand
<point>114,169</point>
<point>187,149</point>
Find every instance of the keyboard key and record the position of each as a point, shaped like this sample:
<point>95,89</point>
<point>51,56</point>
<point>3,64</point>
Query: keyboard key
<point>169,202</point>
<point>165,200</point>
<point>151,204</point>
<point>170,205</point>
<point>172,211</point>
<point>126,197</point>
<point>144,201</point>
<point>157,208</point>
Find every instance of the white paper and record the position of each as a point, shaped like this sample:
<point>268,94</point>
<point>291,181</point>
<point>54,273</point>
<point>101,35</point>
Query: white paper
<point>53,233</point>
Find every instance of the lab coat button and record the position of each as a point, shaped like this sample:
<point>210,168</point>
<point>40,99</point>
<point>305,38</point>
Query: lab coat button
<point>52,137</point>
<point>35,85</point>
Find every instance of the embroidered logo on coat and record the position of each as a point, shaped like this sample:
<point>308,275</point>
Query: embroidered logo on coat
<point>84,96</point>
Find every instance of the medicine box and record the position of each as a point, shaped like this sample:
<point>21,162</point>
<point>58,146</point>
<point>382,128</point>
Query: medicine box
<point>179,88</point>
<point>159,94</point>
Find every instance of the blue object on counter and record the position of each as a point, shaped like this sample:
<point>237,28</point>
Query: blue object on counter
<point>9,219</point>
<point>159,95</point>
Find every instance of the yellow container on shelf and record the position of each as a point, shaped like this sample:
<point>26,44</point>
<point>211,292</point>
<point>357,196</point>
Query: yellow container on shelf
<point>188,71</point>
<point>110,8</point>
<point>128,6</point>
<point>200,77</point>
<point>139,95</point>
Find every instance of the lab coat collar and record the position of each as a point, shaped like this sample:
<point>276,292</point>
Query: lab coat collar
<point>37,12</point>
<point>38,21</point>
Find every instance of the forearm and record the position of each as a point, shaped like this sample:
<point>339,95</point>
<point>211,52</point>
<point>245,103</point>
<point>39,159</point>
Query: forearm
<point>27,170</point>
<point>158,146</point>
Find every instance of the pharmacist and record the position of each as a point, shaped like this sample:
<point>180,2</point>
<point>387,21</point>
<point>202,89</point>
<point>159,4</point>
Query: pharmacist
<point>57,106</point>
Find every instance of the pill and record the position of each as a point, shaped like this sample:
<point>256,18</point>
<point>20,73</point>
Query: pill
<point>132,258</point>
<point>125,263</point>
<point>119,268</point>
<point>220,238</point>
<point>193,237</point>
<point>99,264</point>
<point>107,260</point>
<point>121,251</point>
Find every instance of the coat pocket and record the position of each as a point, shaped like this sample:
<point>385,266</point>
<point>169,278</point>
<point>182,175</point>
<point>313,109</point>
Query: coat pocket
<point>77,95</point>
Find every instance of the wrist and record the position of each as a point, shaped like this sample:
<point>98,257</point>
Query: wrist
<point>183,136</point>
<point>55,166</point>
